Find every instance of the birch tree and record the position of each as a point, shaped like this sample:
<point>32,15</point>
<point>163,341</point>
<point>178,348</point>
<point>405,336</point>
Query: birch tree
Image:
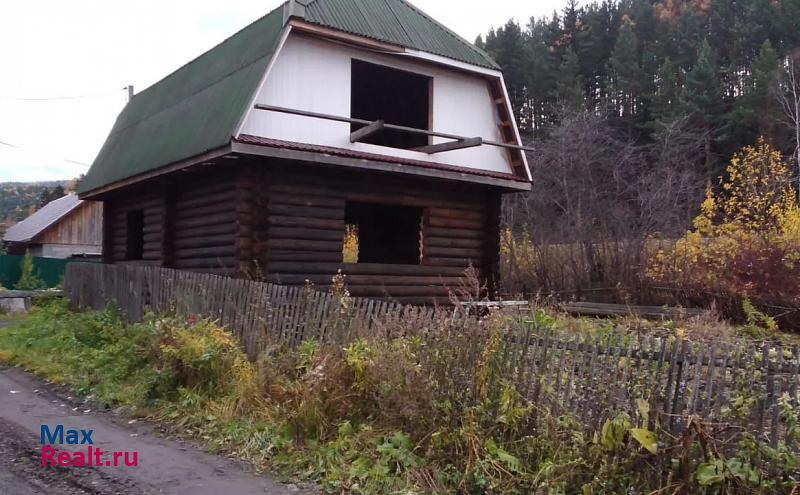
<point>789,97</point>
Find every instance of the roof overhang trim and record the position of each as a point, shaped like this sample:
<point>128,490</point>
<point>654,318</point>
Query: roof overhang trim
<point>381,164</point>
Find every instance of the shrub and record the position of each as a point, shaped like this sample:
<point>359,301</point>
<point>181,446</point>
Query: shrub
<point>745,242</point>
<point>428,410</point>
<point>29,277</point>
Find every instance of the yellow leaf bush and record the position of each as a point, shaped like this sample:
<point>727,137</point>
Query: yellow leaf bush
<point>746,238</point>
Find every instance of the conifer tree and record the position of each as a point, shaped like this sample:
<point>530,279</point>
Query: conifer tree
<point>625,72</point>
<point>569,85</point>
<point>665,102</point>
<point>702,100</point>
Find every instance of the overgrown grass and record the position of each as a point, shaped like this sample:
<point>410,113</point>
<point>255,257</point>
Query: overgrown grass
<point>385,415</point>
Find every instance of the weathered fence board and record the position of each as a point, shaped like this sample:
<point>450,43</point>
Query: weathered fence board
<point>589,377</point>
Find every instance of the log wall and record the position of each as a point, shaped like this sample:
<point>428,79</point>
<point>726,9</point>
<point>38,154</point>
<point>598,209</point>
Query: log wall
<point>302,231</point>
<point>204,224</point>
<point>285,223</point>
<point>152,205</point>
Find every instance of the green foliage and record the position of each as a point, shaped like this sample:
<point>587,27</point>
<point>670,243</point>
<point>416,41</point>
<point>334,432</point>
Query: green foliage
<point>569,84</point>
<point>665,102</point>
<point>758,323</point>
<point>20,199</point>
<point>29,278</point>
<point>380,415</point>
<point>641,63</point>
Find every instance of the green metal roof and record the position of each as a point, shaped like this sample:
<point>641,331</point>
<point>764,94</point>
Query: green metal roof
<point>397,22</point>
<point>198,107</point>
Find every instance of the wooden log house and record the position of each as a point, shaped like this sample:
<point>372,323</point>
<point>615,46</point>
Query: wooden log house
<point>321,118</point>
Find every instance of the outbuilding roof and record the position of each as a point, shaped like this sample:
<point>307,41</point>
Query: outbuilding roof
<point>42,219</point>
<point>198,108</point>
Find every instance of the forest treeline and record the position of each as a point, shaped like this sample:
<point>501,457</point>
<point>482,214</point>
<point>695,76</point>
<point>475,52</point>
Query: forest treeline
<point>638,110</point>
<point>20,199</point>
<point>645,63</point>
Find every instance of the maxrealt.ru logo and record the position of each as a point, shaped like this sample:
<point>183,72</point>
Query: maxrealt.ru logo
<point>91,456</point>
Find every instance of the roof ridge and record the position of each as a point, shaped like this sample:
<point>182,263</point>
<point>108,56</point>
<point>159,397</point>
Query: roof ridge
<point>190,62</point>
<point>451,33</point>
<point>178,102</point>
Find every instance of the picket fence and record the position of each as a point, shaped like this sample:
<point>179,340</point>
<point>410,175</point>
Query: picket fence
<point>258,313</point>
<point>733,387</point>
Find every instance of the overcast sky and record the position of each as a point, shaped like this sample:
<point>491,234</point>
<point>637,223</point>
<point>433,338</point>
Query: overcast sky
<point>89,50</point>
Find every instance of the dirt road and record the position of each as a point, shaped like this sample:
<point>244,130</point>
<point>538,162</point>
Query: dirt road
<point>164,466</point>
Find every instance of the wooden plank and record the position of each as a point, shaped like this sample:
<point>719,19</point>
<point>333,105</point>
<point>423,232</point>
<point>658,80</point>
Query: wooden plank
<point>430,232</point>
<point>305,199</point>
<point>773,393</point>
<point>321,223</point>
<point>204,252</point>
<point>698,365</point>
<point>310,212</point>
<point>712,360</point>
<point>367,131</point>
<point>722,381</point>
<point>376,280</point>
<point>762,385</point>
<point>450,145</point>
<point>364,269</point>
<point>454,242</point>
<point>276,256</point>
<point>219,229</point>
<point>211,262</point>
<point>204,221</point>
<point>603,309</point>
<point>309,234</point>
<point>204,242</point>
<point>307,245</point>
<point>795,375</point>
<point>455,223</point>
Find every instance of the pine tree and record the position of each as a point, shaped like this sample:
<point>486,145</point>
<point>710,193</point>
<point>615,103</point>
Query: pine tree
<point>569,85</point>
<point>625,73</point>
<point>767,72</point>
<point>542,74</point>
<point>702,100</point>
<point>665,102</point>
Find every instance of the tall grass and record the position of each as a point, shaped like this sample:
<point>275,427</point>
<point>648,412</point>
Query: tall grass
<point>416,411</point>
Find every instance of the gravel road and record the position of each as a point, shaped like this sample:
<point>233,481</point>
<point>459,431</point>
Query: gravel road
<point>164,466</point>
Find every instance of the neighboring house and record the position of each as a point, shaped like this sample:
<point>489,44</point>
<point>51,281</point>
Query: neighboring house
<point>322,117</point>
<point>62,228</point>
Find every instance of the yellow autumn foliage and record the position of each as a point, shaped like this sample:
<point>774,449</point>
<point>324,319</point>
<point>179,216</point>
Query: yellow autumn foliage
<point>746,238</point>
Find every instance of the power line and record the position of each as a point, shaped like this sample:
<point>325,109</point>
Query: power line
<point>61,98</point>
<point>10,145</point>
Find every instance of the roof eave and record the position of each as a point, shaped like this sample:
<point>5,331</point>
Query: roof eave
<point>510,184</point>
<point>203,159</point>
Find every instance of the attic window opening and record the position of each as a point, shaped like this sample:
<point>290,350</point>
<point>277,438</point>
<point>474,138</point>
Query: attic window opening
<point>378,233</point>
<point>395,96</point>
<point>134,235</point>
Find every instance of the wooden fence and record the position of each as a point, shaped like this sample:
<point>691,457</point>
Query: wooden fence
<point>257,313</point>
<point>736,387</point>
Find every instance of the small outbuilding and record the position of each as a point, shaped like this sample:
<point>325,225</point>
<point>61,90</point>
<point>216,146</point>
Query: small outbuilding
<point>328,135</point>
<point>63,228</point>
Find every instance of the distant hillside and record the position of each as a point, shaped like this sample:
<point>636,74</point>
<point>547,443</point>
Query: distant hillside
<point>19,199</point>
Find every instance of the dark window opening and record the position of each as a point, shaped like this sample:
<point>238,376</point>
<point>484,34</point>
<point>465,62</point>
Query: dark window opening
<point>394,96</point>
<point>378,233</point>
<point>134,235</point>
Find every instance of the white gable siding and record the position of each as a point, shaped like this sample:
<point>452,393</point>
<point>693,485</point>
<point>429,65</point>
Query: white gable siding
<point>314,75</point>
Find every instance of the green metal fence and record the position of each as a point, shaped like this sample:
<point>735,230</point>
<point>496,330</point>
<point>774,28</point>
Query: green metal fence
<point>51,270</point>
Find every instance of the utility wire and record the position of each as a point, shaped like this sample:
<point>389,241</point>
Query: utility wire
<point>61,98</point>
<point>5,143</point>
